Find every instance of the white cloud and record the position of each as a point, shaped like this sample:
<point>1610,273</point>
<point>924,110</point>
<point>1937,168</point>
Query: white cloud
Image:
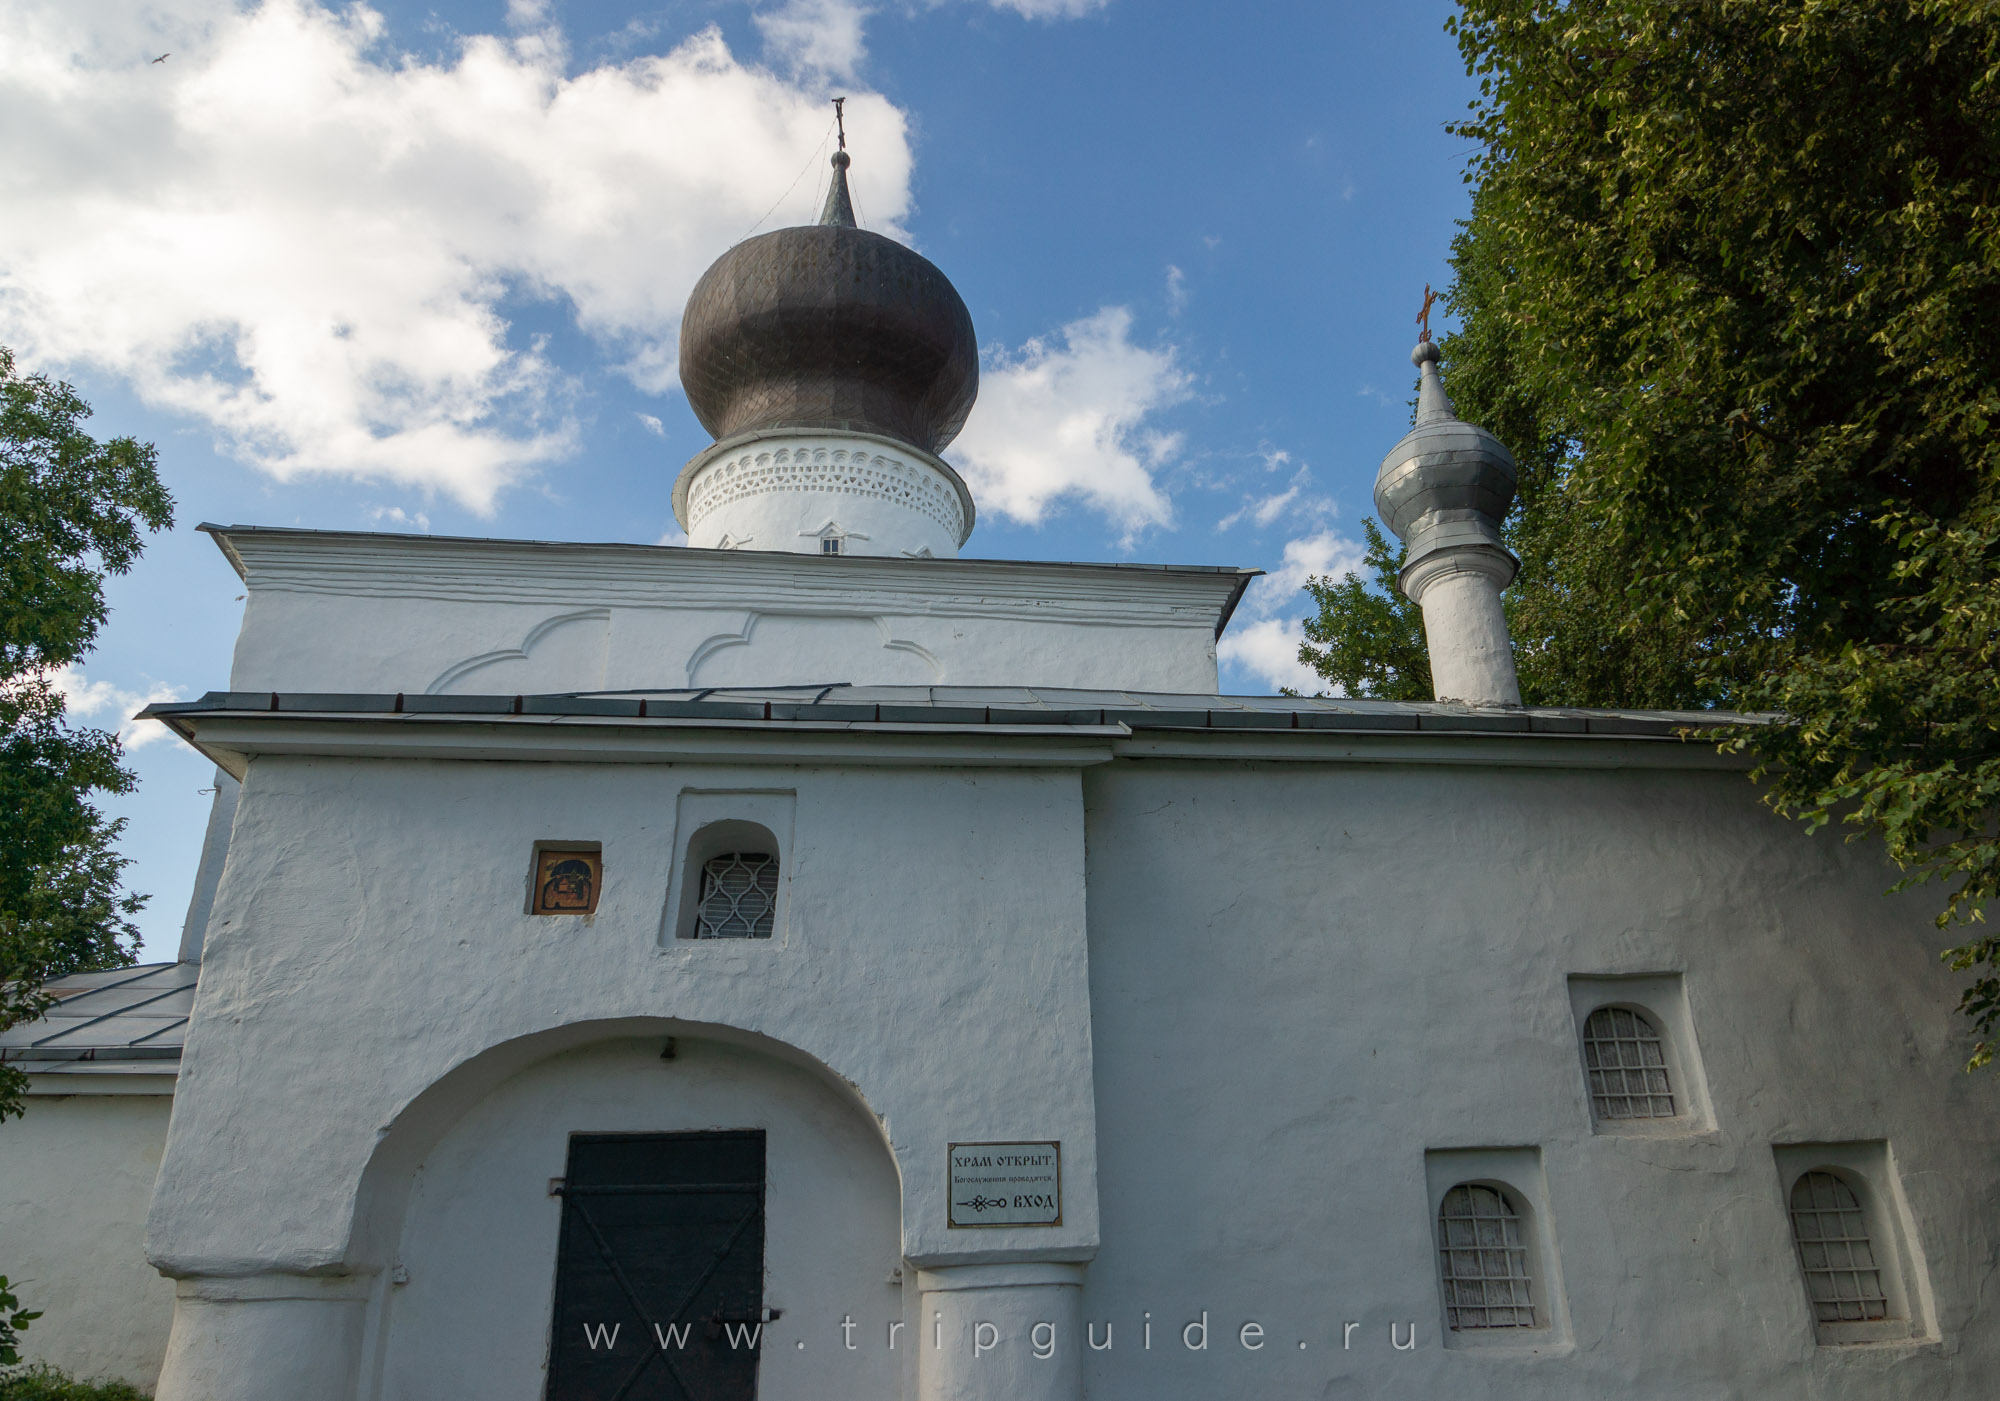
<point>396,515</point>
<point>1177,292</point>
<point>109,707</point>
<point>653,424</point>
<point>1050,9</point>
<point>527,14</point>
<point>828,38</point>
<point>1066,417</point>
<point>1326,554</point>
<point>1264,510</point>
<point>1261,511</point>
<point>1264,641</point>
<point>1267,651</point>
<point>304,238</point>
<point>816,36</point>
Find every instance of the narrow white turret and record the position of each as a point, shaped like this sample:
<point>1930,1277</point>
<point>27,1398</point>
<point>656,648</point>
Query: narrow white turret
<point>1444,489</point>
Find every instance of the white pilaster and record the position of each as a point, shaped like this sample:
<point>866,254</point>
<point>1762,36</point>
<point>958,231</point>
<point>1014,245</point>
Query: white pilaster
<point>271,1337</point>
<point>1011,1332</point>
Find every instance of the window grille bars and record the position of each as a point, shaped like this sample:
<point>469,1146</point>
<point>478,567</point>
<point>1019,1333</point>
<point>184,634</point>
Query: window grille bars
<point>1627,1066</point>
<point>1842,1279</point>
<point>1483,1259</point>
<point>739,896</point>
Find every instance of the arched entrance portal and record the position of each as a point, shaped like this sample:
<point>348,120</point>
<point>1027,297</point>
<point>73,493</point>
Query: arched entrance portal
<point>613,1179</point>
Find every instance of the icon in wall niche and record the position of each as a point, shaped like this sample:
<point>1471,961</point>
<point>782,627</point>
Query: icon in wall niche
<point>566,882</point>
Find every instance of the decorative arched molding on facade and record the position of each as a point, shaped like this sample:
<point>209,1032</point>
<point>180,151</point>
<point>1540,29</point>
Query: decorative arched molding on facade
<point>537,636</point>
<point>793,640</point>
<point>382,1196</point>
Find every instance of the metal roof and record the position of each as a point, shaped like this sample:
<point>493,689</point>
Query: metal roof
<point>959,706</point>
<point>120,1021</point>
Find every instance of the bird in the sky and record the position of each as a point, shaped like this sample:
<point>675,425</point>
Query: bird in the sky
<point>163,58</point>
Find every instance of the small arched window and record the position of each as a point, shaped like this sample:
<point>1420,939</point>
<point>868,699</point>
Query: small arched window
<point>1483,1260</point>
<point>1627,1064</point>
<point>1843,1279</point>
<point>739,896</point>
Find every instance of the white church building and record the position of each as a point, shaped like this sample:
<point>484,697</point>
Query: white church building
<point>813,965</point>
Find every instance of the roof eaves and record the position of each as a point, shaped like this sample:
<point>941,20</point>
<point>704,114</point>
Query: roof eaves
<point>921,707</point>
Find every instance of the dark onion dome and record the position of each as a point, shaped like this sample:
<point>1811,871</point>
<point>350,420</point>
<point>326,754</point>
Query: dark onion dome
<point>829,326</point>
<point>1448,482</point>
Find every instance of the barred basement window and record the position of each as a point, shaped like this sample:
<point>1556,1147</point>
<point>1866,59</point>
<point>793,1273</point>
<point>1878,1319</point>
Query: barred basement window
<point>1842,1278</point>
<point>1483,1258</point>
<point>739,896</point>
<point>1627,1064</point>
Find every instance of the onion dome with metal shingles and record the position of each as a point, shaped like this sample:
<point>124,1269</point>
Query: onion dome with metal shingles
<point>1448,482</point>
<point>829,326</point>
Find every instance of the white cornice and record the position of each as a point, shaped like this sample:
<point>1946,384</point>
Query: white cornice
<point>645,576</point>
<point>229,740</point>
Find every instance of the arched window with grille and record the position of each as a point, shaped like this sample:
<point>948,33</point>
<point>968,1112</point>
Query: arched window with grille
<point>1836,1256</point>
<point>1483,1260</point>
<point>738,897</point>
<point>1626,1060</point>
<point>730,882</point>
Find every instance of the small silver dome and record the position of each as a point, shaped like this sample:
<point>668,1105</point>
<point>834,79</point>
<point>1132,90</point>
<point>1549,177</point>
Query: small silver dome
<point>1448,482</point>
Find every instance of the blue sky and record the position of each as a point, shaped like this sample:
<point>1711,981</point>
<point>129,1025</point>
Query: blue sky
<point>418,267</point>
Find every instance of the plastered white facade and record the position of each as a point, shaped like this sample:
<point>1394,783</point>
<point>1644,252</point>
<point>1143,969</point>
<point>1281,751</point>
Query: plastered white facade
<point>1270,989</point>
<point>76,1179</point>
<point>343,613</point>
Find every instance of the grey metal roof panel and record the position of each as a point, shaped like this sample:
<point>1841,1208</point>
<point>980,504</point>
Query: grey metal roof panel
<point>118,1015</point>
<point>843,711</point>
<point>1504,722</point>
<point>897,713</point>
<point>720,708</point>
<point>1159,717</point>
<point>366,704</point>
<point>1551,724</point>
<point>1625,724</point>
<point>580,705</point>
<point>1357,720</point>
<point>458,705</point>
<point>1234,718</point>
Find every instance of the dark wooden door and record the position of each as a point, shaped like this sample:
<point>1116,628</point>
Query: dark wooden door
<point>660,1268</point>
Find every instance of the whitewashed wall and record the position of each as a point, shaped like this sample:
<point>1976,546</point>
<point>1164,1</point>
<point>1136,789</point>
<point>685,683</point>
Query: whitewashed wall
<point>347,613</point>
<point>369,976</point>
<point>1304,977</point>
<point>76,1179</point>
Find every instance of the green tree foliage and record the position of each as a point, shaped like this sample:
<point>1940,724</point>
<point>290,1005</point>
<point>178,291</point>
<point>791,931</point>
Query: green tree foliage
<point>13,1318</point>
<point>1731,291</point>
<point>71,510</point>
<point>1367,638</point>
